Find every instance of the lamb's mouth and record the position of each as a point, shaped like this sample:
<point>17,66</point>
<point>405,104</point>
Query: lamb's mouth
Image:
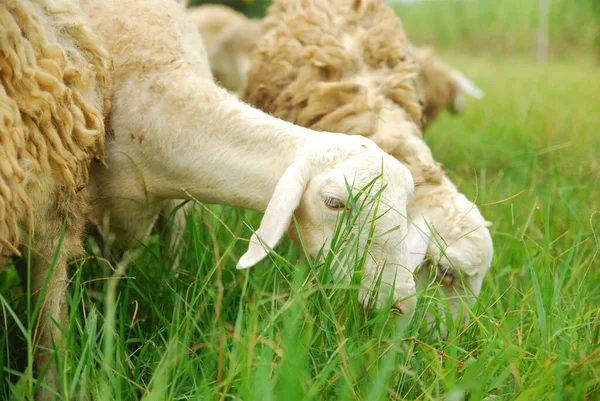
<point>445,274</point>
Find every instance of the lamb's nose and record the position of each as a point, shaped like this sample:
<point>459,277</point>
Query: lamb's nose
<point>447,275</point>
<point>400,307</point>
<point>406,307</point>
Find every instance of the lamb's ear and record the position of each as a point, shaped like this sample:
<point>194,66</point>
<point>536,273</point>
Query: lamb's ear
<point>488,223</point>
<point>466,85</point>
<point>278,215</point>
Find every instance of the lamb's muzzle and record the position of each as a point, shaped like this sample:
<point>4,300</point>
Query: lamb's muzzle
<point>322,173</point>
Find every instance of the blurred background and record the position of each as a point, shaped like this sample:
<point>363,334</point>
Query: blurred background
<point>532,28</point>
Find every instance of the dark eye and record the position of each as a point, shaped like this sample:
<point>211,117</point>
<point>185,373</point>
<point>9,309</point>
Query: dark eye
<point>334,203</point>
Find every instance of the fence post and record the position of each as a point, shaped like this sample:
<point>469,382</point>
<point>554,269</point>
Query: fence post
<point>542,34</point>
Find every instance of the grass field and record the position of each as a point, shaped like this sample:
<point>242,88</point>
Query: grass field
<point>509,26</point>
<point>528,153</point>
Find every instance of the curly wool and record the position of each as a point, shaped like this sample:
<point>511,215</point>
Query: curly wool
<point>343,66</point>
<point>55,78</point>
<point>332,65</point>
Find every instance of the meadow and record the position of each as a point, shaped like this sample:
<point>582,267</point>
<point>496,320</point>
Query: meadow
<point>510,26</point>
<point>286,330</point>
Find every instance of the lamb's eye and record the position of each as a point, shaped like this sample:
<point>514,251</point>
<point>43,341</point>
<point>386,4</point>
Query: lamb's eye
<point>334,203</point>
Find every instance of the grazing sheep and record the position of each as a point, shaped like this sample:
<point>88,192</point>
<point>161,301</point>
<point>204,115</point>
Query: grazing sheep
<point>229,38</point>
<point>439,85</point>
<point>178,136</point>
<point>212,19</point>
<point>55,82</point>
<point>231,44</point>
<point>346,66</point>
<point>182,137</point>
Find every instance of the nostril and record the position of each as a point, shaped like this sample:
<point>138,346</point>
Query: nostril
<point>406,307</point>
<point>446,275</point>
<point>400,307</point>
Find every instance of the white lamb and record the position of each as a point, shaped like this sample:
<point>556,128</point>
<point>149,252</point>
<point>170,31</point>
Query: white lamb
<point>178,135</point>
<point>175,134</point>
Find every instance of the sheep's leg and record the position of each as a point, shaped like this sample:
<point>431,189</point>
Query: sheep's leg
<point>127,216</point>
<point>123,220</point>
<point>52,316</point>
<point>172,224</point>
<point>57,236</point>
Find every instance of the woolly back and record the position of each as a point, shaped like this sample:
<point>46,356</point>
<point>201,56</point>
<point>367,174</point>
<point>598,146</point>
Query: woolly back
<point>332,65</point>
<point>54,93</point>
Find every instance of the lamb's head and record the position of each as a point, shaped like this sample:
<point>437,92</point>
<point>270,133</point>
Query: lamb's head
<point>459,242</point>
<point>464,87</point>
<point>346,187</point>
<point>439,85</point>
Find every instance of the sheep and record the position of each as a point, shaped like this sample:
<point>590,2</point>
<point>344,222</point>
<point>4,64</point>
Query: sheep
<point>180,136</point>
<point>212,19</point>
<point>230,53</point>
<point>183,137</point>
<point>229,38</point>
<point>440,86</point>
<point>54,93</point>
<point>230,45</point>
<point>346,66</point>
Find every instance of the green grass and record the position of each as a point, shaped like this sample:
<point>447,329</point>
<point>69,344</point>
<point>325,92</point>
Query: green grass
<point>285,330</point>
<point>501,27</point>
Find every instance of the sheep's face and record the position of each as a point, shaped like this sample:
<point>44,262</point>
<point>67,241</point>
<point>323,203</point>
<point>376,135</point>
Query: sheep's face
<point>352,185</point>
<point>348,197</point>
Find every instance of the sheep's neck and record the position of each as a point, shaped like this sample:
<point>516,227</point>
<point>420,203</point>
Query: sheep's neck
<point>222,150</point>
